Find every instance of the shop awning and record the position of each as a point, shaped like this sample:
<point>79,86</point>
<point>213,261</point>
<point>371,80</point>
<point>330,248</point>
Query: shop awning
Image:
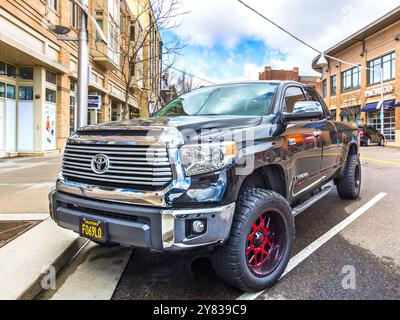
<point>371,107</point>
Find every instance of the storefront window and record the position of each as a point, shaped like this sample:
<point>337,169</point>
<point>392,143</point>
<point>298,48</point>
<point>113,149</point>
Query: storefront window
<point>2,90</point>
<point>26,73</point>
<point>51,77</point>
<point>10,92</point>
<point>2,68</point>
<point>51,95</point>
<point>25,93</point>
<point>389,125</point>
<point>11,71</point>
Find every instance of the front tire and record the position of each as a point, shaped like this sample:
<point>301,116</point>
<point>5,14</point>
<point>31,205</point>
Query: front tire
<point>382,142</point>
<point>349,184</point>
<point>261,239</point>
<point>368,142</point>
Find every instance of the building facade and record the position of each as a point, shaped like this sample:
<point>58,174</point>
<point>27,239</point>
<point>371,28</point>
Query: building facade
<point>292,75</point>
<point>38,73</point>
<point>353,91</point>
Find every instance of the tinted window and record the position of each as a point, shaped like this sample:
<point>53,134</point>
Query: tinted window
<point>51,95</point>
<point>25,93</point>
<point>252,99</point>
<point>2,90</point>
<point>10,91</point>
<point>11,71</point>
<point>26,73</point>
<point>51,77</point>
<point>293,95</point>
<point>2,68</point>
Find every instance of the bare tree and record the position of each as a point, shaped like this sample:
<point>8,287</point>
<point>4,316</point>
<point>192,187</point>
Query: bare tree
<point>185,84</point>
<point>143,56</point>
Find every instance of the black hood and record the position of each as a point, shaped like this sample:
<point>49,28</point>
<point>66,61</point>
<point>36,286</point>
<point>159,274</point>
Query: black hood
<point>196,123</point>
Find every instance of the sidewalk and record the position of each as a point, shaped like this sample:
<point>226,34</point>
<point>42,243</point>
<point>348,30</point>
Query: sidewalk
<point>29,241</point>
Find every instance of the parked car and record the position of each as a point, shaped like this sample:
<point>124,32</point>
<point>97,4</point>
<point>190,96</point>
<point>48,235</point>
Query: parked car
<point>224,169</point>
<point>368,135</point>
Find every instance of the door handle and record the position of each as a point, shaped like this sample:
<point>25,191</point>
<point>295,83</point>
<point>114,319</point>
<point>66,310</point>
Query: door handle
<point>317,133</point>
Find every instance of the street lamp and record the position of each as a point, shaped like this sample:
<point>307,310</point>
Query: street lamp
<point>83,55</point>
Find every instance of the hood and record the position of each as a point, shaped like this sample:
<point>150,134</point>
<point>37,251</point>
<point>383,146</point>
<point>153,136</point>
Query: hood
<point>196,123</point>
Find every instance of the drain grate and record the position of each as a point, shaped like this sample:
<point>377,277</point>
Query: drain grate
<point>9,230</point>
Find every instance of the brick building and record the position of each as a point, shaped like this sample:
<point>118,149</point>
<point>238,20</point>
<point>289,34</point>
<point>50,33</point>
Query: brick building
<point>38,73</point>
<point>292,75</point>
<point>352,92</point>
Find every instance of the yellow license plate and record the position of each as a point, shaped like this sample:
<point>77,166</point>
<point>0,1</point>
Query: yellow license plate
<point>93,229</point>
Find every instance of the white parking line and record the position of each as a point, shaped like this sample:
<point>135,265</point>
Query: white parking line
<point>306,252</point>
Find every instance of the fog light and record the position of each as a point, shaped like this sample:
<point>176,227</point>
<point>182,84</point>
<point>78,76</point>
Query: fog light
<point>198,226</point>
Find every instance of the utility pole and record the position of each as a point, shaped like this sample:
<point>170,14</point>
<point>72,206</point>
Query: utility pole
<point>83,71</point>
<point>382,116</point>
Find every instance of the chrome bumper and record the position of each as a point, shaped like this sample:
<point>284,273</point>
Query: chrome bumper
<point>156,229</point>
<point>219,222</point>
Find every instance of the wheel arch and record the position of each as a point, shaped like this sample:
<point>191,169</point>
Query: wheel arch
<point>269,177</point>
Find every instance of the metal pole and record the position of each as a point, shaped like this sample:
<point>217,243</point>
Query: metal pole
<point>382,110</point>
<point>83,71</point>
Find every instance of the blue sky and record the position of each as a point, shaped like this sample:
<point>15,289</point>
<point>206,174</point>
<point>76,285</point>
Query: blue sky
<point>227,42</point>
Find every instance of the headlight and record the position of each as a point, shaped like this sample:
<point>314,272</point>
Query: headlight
<point>207,157</point>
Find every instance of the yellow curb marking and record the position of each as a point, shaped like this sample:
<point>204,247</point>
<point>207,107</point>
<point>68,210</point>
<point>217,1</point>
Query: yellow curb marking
<point>381,161</point>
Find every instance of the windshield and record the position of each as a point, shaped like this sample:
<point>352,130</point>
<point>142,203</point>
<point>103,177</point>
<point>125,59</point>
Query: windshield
<point>252,99</point>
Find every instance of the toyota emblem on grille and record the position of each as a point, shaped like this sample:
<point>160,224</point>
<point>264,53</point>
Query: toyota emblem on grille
<point>100,163</point>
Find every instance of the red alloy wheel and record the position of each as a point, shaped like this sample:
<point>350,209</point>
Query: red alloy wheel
<point>266,243</point>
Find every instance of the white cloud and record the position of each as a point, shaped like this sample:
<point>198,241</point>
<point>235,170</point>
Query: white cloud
<point>320,23</point>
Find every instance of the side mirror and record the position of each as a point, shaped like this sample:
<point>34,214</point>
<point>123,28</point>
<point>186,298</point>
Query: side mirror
<point>304,110</point>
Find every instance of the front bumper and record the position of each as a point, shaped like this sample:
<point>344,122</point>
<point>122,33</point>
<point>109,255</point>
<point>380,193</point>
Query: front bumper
<point>142,226</point>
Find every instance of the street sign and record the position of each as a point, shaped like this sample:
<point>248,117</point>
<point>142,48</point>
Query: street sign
<point>94,102</point>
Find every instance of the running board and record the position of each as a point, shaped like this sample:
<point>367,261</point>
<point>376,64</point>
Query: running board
<point>306,204</point>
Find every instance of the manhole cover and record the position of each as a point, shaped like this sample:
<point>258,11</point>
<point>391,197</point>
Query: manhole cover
<point>9,230</point>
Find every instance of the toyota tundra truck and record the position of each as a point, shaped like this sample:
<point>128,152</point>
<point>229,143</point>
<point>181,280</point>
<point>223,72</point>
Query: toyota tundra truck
<point>224,169</point>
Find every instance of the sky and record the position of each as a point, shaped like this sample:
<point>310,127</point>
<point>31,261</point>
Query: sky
<point>227,42</point>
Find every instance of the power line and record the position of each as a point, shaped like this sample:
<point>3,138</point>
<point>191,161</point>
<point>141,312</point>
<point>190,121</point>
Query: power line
<point>191,75</point>
<point>278,26</point>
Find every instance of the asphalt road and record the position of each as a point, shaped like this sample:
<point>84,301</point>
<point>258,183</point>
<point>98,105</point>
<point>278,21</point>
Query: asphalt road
<point>360,262</point>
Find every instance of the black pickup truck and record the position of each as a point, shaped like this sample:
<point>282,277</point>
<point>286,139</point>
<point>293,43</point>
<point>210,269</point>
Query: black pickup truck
<point>224,168</point>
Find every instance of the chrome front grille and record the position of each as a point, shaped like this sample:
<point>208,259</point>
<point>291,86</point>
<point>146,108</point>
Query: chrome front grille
<point>130,166</point>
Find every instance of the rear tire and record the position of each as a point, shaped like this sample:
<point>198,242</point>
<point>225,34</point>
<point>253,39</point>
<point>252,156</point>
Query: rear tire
<point>261,239</point>
<point>349,184</point>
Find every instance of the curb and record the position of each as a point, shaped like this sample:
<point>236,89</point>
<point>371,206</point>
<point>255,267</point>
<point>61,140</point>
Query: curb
<point>26,260</point>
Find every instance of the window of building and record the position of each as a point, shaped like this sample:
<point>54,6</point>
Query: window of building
<point>389,123</point>
<point>293,95</point>
<point>74,15</point>
<point>387,64</point>
<point>114,32</point>
<point>52,4</point>
<point>10,91</point>
<point>100,23</point>
<point>324,88</point>
<point>72,107</point>
<point>2,68</point>
<point>51,95</point>
<point>51,77</point>
<point>333,85</point>
<point>11,71</point>
<point>26,73</point>
<point>2,90</point>
<point>25,93</point>
<point>351,79</point>
<point>132,32</point>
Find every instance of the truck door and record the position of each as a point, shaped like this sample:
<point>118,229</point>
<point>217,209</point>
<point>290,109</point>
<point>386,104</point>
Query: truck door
<point>330,161</point>
<point>304,148</point>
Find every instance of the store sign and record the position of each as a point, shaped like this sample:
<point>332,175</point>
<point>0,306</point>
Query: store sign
<point>379,91</point>
<point>94,102</point>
